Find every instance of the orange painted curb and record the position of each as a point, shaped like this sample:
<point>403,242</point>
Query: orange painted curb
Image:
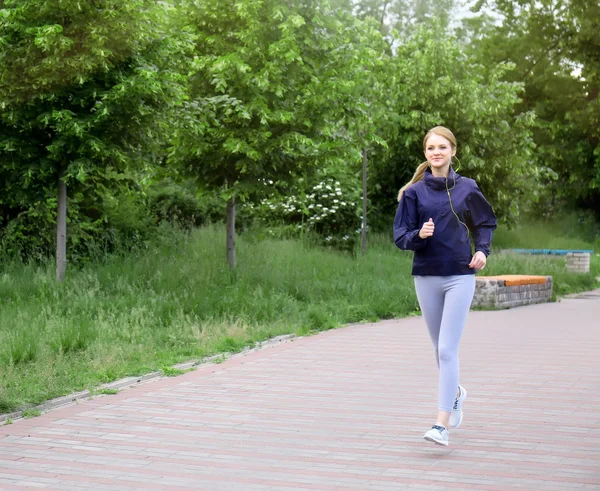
<point>516,279</point>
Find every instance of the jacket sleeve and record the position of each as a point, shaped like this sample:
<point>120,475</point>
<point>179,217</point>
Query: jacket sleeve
<point>406,224</point>
<point>482,220</point>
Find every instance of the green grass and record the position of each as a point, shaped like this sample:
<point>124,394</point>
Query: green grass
<point>178,301</point>
<point>563,282</point>
<point>106,392</point>
<point>173,372</point>
<point>31,413</point>
<point>564,233</point>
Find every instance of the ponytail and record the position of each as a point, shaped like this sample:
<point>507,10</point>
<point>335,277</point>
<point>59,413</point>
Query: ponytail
<point>418,176</point>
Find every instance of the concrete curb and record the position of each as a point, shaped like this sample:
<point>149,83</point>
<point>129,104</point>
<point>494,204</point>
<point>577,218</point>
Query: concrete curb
<point>584,295</point>
<point>133,381</point>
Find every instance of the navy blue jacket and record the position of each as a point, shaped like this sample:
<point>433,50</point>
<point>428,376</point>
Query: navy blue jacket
<point>448,251</point>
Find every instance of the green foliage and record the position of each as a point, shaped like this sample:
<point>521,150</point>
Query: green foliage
<point>29,233</point>
<point>400,16</point>
<point>175,204</point>
<point>333,212</point>
<point>84,90</point>
<point>326,206</point>
<point>230,345</point>
<point>123,219</point>
<point>107,392</point>
<point>268,90</point>
<point>554,46</point>
<point>438,85</point>
<point>172,372</point>
<point>183,204</point>
<point>237,92</point>
<point>109,219</point>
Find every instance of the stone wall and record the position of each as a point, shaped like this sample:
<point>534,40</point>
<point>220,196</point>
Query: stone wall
<point>511,290</point>
<point>578,262</point>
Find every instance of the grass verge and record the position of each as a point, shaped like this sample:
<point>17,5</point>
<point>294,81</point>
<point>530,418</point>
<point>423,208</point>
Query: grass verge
<point>177,302</point>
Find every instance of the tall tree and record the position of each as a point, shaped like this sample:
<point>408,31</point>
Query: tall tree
<point>369,120</point>
<point>82,87</point>
<point>402,16</point>
<point>268,93</point>
<point>554,46</point>
<point>436,84</point>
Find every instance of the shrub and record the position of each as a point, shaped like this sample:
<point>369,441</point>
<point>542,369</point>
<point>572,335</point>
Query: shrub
<point>329,208</point>
<point>29,233</point>
<point>97,222</point>
<point>175,204</point>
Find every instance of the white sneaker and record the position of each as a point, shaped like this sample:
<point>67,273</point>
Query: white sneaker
<point>437,434</point>
<point>457,414</point>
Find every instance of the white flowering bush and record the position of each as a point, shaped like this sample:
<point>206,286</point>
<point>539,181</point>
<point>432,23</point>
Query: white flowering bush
<point>330,209</point>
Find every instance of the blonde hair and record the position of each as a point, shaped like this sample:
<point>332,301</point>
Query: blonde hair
<point>420,172</point>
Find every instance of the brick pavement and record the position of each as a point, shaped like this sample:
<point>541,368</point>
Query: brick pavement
<point>344,410</point>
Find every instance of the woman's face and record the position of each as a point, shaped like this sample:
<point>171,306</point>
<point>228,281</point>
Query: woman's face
<point>438,152</point>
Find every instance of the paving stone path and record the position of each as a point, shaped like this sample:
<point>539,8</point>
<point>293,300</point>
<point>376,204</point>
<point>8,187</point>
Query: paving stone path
<point>344,410</point>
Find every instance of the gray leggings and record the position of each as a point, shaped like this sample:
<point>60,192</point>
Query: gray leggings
<point>445,303</point>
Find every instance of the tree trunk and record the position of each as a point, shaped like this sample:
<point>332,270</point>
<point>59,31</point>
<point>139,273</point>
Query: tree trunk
<point>364,210</point>
<point>61,228</point>
<point>231,232</point>
<point>383,12</point>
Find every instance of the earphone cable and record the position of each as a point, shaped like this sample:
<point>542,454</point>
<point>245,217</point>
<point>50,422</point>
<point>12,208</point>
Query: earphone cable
<point>450,201</point>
